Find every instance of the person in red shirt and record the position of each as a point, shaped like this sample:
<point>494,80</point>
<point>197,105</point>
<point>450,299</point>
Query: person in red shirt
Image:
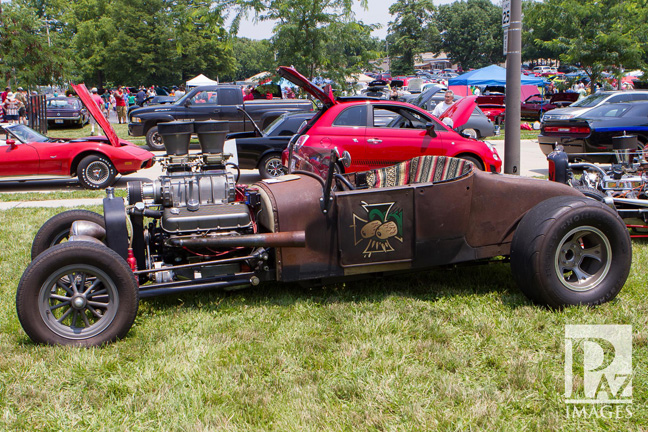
<point>120,104</point>
<point>248,93</point>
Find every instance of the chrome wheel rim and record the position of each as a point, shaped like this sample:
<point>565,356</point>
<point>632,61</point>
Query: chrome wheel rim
<point>583,258</point>
<point>78,301</point>
<point>97,172</point>
<point>274,168</point>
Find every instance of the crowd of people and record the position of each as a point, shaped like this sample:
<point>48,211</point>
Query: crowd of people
<point>14,105</point>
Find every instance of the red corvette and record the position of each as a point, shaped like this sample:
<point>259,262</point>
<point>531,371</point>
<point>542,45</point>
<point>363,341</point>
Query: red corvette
<point>379,133</point>
<point>26,154</point>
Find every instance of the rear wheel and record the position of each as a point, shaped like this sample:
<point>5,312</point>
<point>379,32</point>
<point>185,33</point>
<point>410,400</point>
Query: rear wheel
<point>571,251</point>
<point>57,229</point>
<point>271,167</point>
<point>77,293</point>
<point>471,133</point>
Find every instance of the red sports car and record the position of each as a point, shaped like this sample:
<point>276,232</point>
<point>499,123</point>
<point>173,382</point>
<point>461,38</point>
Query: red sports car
<point>358,126</point>
<point>96,161</point>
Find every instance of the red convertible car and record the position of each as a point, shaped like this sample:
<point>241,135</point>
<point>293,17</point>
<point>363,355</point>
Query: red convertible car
<point>27,155</point>
<point>357,125</point>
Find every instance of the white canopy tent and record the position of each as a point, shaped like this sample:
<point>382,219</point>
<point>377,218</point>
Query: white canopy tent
<point>200,80</point>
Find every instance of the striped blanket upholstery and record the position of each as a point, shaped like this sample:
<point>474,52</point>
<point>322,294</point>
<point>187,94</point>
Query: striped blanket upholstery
<point>421,169</point>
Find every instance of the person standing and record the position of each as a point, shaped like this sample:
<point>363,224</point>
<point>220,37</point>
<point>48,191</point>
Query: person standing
<point>120,105</point>
<point>141,96</point>
<point>106,103</point>
<point>11,108</point>
<point>4,94</point>
<point>448,100</point>
<point>21,96</point>
<point>99,101</point>
<point>180,92</point>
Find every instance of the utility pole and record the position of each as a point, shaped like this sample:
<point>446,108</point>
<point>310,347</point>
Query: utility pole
<point>513,89</point>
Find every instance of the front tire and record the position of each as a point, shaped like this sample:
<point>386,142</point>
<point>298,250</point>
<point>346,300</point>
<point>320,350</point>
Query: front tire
<point>478,164</point>
<point>77,293</point>
<point>57,229</point>
<point>154,139</point>
<point>96,172</point>
<point>271,167</point>
<point>571,251</point>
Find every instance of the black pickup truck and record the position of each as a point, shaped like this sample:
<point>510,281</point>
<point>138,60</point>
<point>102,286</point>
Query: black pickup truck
<point>213,102</point>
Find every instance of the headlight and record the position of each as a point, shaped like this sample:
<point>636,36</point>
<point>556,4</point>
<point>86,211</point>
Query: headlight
<point>491,147</point>
<point>136,120</point>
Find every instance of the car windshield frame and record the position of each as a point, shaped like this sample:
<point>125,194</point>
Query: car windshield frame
<point>25,134</point>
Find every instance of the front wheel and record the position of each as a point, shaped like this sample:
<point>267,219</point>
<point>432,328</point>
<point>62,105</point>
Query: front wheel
<point>154,139</point>
<point>77,293</point>
<point>571,251</point>
<point>271,167</point>
<point>474,161</point>
<point>96,172</point>
<point>57,229</point>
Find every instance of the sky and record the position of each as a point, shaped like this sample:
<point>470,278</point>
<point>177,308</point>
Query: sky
<point>378,13</point>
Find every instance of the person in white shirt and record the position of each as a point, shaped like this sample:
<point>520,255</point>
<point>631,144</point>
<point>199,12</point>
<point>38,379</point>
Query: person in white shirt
<point>448,100</point>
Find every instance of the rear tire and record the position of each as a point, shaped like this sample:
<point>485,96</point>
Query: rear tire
<point>57,229</point>
<point>271,167</point>
<point>571,251</point>
<point>77,293</point>
<point>472,133</point>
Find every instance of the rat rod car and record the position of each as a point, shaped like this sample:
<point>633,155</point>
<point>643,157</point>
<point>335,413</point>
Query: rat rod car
<point>195,228</point>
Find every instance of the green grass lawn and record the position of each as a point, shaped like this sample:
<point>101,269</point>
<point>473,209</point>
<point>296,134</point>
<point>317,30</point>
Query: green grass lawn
<point>453,350</point>
<point>120,129</point>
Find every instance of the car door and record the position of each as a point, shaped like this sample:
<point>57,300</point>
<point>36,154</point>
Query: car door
<point>229,100</point>
<point>18,160</point>
<point>405,137</point>
<point>346,131</point>
<point>201,106</point>
<point>531,106</point>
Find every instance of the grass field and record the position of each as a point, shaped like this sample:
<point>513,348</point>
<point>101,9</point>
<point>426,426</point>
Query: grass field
<point>453,350</point>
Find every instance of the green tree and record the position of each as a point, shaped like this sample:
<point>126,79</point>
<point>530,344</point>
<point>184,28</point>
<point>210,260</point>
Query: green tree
<point>252,57</point>
<point>597,34</point>
<point>152,41</point>
<point>412,32</point>
<point>471,33</point>
<point>28,55</point>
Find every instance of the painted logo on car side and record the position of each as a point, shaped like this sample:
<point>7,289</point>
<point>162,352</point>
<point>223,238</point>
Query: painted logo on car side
<point>380,227</point>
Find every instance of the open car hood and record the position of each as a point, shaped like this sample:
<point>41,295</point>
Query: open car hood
<point>460,111</point>
<point>94,110</point>
<point>298,79</point>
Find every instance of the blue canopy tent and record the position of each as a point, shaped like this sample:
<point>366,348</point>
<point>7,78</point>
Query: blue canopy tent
<point>492,76</point>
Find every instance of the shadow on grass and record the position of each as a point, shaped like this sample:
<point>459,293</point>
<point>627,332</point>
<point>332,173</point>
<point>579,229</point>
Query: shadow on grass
<point>469,281</point>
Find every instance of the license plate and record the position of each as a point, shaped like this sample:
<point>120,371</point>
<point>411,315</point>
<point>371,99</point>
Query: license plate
<point>58,121</point>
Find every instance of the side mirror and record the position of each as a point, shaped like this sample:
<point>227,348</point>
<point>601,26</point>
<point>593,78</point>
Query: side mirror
<point>11,143</point>
<point>429,128</point>
<point>187,103</point>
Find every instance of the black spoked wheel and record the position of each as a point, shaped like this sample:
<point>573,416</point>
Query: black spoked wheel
<point>154,139</point>
<point>96,172</point>
<point>270,166</point>
<point>77,293</point>
<point>571,251</point>
<point>57,229</point>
